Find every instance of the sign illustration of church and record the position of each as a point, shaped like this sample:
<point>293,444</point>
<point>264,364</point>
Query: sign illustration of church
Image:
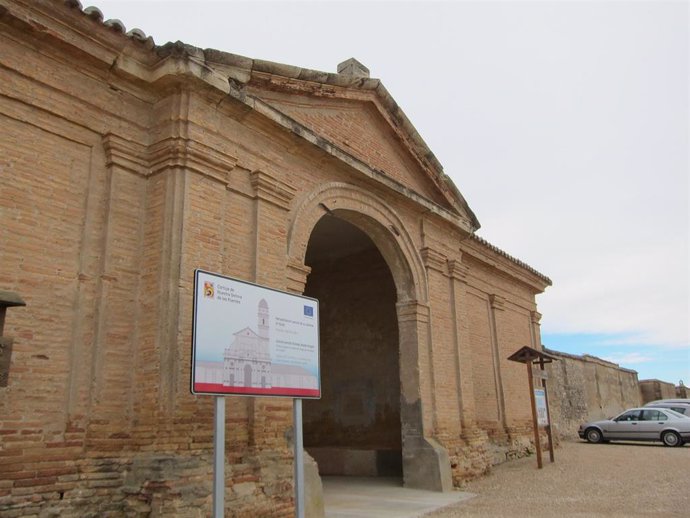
<point>247,361</point>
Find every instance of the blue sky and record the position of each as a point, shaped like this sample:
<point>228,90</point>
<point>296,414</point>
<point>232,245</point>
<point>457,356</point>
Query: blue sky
<point>649,360</point>
<point>564,125</point>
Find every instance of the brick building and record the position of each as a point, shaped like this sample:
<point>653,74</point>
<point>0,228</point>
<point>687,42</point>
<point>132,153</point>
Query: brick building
<point>125,166</point>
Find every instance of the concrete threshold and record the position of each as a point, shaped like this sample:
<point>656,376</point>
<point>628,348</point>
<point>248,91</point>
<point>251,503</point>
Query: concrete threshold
<point>381,497</point>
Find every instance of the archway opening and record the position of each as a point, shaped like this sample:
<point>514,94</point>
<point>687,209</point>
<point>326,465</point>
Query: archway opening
<point>355,428</point>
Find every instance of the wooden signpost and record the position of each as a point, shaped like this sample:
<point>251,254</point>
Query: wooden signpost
<point>539,397</point>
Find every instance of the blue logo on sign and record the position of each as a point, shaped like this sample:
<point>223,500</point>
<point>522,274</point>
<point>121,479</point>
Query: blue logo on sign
<point>308,311</point>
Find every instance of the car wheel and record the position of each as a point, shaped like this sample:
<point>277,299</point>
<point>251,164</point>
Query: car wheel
<point>593,435</point>
<point>671,439</point>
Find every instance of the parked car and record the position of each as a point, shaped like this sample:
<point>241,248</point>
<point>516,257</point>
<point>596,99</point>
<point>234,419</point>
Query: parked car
<point>640,424</point>
<point>682,401</point>
<point>681,408</point>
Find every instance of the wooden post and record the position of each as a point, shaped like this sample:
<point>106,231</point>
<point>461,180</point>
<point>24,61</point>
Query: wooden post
<point>535,422</point>
<point>531,357</point>
<point>549,431</point>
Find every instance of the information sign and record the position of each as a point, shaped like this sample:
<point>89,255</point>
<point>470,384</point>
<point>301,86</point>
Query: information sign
<point>540,400</point>
<point>252,340</point>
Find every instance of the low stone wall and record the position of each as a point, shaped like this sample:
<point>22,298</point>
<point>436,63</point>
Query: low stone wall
<point>585,388</point>
<point>651,390</point>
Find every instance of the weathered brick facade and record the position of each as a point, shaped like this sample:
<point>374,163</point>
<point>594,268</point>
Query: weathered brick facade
<point>125,166</point>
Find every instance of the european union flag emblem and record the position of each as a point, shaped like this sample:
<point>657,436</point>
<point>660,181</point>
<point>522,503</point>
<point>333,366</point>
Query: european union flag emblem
<point>308,311</point>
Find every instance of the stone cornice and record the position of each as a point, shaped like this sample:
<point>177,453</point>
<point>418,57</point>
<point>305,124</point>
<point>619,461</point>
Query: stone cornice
<point>269,189</point>
<point>125,154</point>
<point>497,302</point>
<point>193,156</point>
<point>174,152</point>
<point>457,270</point>
<point>434,260</point>
<point>412,311</point>
<point>297,273</point>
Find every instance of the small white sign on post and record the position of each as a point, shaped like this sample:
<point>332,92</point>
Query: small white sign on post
<point>540,400</point>
<point>250,340</point>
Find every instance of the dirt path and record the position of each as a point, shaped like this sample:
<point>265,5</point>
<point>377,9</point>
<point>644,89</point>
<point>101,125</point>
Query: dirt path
<point>643,479</point>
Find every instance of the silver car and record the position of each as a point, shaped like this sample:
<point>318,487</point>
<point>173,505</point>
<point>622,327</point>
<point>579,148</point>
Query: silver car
<point>682,406</point>
<point>640,424</point>
<point>676,407</point>
<point>678,400</point>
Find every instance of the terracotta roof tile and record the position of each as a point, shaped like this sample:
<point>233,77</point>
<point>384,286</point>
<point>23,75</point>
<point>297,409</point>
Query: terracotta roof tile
<point>512,259</point>
<point>114,24</point>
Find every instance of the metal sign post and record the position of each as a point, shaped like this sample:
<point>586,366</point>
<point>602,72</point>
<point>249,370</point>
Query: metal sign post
<point>219,457</point>
<point>251,340</point>
<point>299,459</point>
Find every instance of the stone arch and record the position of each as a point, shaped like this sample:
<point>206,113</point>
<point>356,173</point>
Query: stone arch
<point>426,464</point>
<point>371,215</point>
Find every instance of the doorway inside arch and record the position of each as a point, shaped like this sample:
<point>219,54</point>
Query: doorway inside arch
<point>355,428</point>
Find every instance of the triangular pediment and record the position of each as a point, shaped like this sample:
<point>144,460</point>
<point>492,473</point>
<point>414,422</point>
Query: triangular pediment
<point>245,332</point>
<point>363,130</point>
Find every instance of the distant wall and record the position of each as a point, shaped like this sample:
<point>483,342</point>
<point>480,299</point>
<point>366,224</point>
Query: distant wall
<point>583,388</point>
<point>651,390</point>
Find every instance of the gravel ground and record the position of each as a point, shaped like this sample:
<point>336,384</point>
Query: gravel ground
<point>615,479</point>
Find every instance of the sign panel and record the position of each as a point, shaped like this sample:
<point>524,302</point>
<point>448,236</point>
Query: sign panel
<point>253,341</point>
<point>540,400</point>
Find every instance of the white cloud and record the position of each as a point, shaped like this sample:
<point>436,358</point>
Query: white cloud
<point>629,358</point>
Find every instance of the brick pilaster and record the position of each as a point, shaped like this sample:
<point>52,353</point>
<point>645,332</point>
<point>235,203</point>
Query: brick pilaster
<point>458,273</point>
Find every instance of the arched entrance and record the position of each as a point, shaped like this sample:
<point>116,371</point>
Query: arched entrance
<point>355,428</point>
<point>349,224</point>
